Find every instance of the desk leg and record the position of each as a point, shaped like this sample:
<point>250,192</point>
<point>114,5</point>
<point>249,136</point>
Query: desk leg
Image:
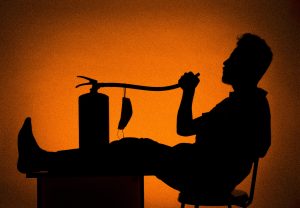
<point>39,205</point>
<point>142,191</point>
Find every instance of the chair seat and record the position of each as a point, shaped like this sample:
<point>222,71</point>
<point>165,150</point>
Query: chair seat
<point>237,197</point>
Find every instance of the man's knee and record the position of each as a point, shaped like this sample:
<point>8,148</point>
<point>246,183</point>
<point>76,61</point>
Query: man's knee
<point>135,141</point>
<point>125,140</point>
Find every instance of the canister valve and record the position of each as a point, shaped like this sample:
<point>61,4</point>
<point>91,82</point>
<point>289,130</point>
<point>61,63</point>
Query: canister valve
<point>92,82</point>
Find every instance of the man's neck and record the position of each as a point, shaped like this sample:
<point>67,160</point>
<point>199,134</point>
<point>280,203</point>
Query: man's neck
<point>244,88</point>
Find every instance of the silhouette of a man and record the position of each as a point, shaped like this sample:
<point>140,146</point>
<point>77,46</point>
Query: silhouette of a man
<point>228,138</point>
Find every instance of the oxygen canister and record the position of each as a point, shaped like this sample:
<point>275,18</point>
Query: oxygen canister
<point>93,120</point>
<point>94,112</point>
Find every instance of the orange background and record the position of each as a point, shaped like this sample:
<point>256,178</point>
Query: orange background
<point>45,45</point>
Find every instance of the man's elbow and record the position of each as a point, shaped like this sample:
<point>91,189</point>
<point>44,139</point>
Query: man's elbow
<point>184,132</point>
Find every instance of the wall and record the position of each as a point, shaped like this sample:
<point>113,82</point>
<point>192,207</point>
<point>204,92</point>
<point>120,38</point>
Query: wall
<point>44,45</point>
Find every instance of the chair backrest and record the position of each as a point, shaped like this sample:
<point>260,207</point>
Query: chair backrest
<point>253,180</point>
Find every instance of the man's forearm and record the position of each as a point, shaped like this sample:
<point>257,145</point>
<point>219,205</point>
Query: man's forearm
<point>185,115</point>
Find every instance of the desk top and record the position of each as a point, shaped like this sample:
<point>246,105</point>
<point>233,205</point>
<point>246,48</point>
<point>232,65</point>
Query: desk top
<point>90,173</point>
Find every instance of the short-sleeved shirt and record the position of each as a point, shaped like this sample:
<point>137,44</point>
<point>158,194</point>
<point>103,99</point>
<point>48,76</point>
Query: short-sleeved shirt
<point>232,135</point>
<point>228,139</point>
<point>240,124</point>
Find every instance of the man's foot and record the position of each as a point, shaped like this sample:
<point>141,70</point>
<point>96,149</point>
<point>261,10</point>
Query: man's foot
<point>30,154</point>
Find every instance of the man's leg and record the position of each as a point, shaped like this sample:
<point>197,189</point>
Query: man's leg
<point>141,154</point>
<point>33,158</point>
<point>128,154</point>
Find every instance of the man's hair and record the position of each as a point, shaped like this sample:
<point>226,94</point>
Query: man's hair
<point>257,51</point>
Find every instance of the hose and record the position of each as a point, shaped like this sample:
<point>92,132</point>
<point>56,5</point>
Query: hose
<point>96,85</point>
<point>138,87</point>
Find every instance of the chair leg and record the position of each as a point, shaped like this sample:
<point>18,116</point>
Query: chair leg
<point>182,205</point>
<point>229,206</point>
<point>197,206</point>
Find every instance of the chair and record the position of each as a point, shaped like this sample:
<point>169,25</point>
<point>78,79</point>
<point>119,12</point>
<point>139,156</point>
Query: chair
<point>237,197</point>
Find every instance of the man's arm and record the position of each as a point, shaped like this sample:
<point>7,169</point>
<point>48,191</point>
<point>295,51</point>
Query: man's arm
<point>185,125</point>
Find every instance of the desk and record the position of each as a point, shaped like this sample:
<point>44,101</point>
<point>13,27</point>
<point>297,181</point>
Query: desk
<point>84,191</point>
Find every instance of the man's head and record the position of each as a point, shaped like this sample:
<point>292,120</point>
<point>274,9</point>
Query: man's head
<point>248,62</point>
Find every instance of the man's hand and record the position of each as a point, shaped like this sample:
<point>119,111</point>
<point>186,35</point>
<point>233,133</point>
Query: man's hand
<point>189,81</point>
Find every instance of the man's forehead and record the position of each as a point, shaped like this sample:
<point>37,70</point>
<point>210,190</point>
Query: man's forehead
<point>238,51</point>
